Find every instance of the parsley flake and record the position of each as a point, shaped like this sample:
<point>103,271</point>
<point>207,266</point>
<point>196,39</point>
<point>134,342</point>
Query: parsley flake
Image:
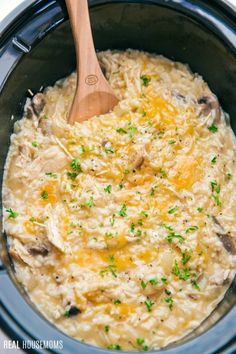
<point>182,274</point>
<point>107,328</point>
<point>114,347</point>
<point>172,210</point>
<point>213,128</point>
<point>12,214</point>
<point>171,142</point>
<point>44,194</point>
<point>121,131</point>
<point>75,165</point>
<point>34,144</point>
<point>169,300</point>
<point>149,303</point>
<point>51,174</point>
<point>141,343</point>
<point>185,257</point>
<point>145,80</point>
<point>108,189</point>
<point>214,160</point>
<point>123,210</point>
<point>191,228</point>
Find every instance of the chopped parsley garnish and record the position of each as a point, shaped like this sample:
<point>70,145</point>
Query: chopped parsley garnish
<point>172,235</point>
<point>107,328</point>
<point>216,199</point>
<point>172,210</point>
<point>112,220</point>
<point>228,175</point>
<point>72,175</point>
<point>164,280</point>
<point>144,213</point>
<point>109,269</point>
<point>34,144</point>
<point>132,130</point>
<point>32,219</point>
<point>108,189</point>
<point>51,174</point>
<point>121,186</point>
<point>153,189</point>
<point>75,165</point>
<point>191,228</point>
<point>169,300</point>
<point>153,281</point>
<point>167,227</point>
<point>213,128</point>
<point>199,210</point>
<point>123,210</point>
<point>163,173</point>
<point>89,203</point>
<point>149,303</point>
<point>121,131</point>
<point>215,188</point>
<point>114,347</point>
<point>109,150</point>
<point>141,343</point>
<point>143,284</point>
<point>132,228</point>
<point>195,284</point>
<point>194,281</point>
<point>12,214</point>
<point>171,142</point>
<point>182,274</point>
<point>44,194</point>
<point>126,171</point>
<point>83,149</point>
<point>185,257</point>
<point>117,302</point>
<point>145,80</point>
<point>108,234</point>
<point>111,257</point>
<point>214,160</point>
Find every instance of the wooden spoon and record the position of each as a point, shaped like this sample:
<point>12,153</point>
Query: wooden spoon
<point>93,94</point>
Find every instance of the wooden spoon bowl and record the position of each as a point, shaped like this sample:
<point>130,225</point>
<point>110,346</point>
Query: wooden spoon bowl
<point>93,95</point>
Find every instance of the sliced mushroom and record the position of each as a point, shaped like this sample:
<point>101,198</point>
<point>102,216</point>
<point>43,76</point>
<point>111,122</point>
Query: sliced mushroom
<point>25,152</point>
<point>193,296</point>
<point>210,104</point>
<point>72,311</point>
<point>38,250</point>
<point>38,103</point>
<point>178,95</point>
<point>138,161</point>
<point>216,221</point>
<point>104,142</point>
<point>20,253</point>
<point>46,126</point>
<point>29,112</point>
<point>227,242</point>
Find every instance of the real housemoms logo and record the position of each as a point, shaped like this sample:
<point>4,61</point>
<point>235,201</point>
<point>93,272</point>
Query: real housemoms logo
<point>33,344</point>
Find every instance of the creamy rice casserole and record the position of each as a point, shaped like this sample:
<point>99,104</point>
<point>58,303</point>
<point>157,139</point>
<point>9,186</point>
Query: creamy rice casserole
<point>122,228</point>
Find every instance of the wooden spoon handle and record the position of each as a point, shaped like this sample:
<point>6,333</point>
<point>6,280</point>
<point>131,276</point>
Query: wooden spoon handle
<point>87,63</point>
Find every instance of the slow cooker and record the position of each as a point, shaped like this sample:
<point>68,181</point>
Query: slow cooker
<point>36,49</point>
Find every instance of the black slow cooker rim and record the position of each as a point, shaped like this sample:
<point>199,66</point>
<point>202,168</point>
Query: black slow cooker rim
<point>9,313</point>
